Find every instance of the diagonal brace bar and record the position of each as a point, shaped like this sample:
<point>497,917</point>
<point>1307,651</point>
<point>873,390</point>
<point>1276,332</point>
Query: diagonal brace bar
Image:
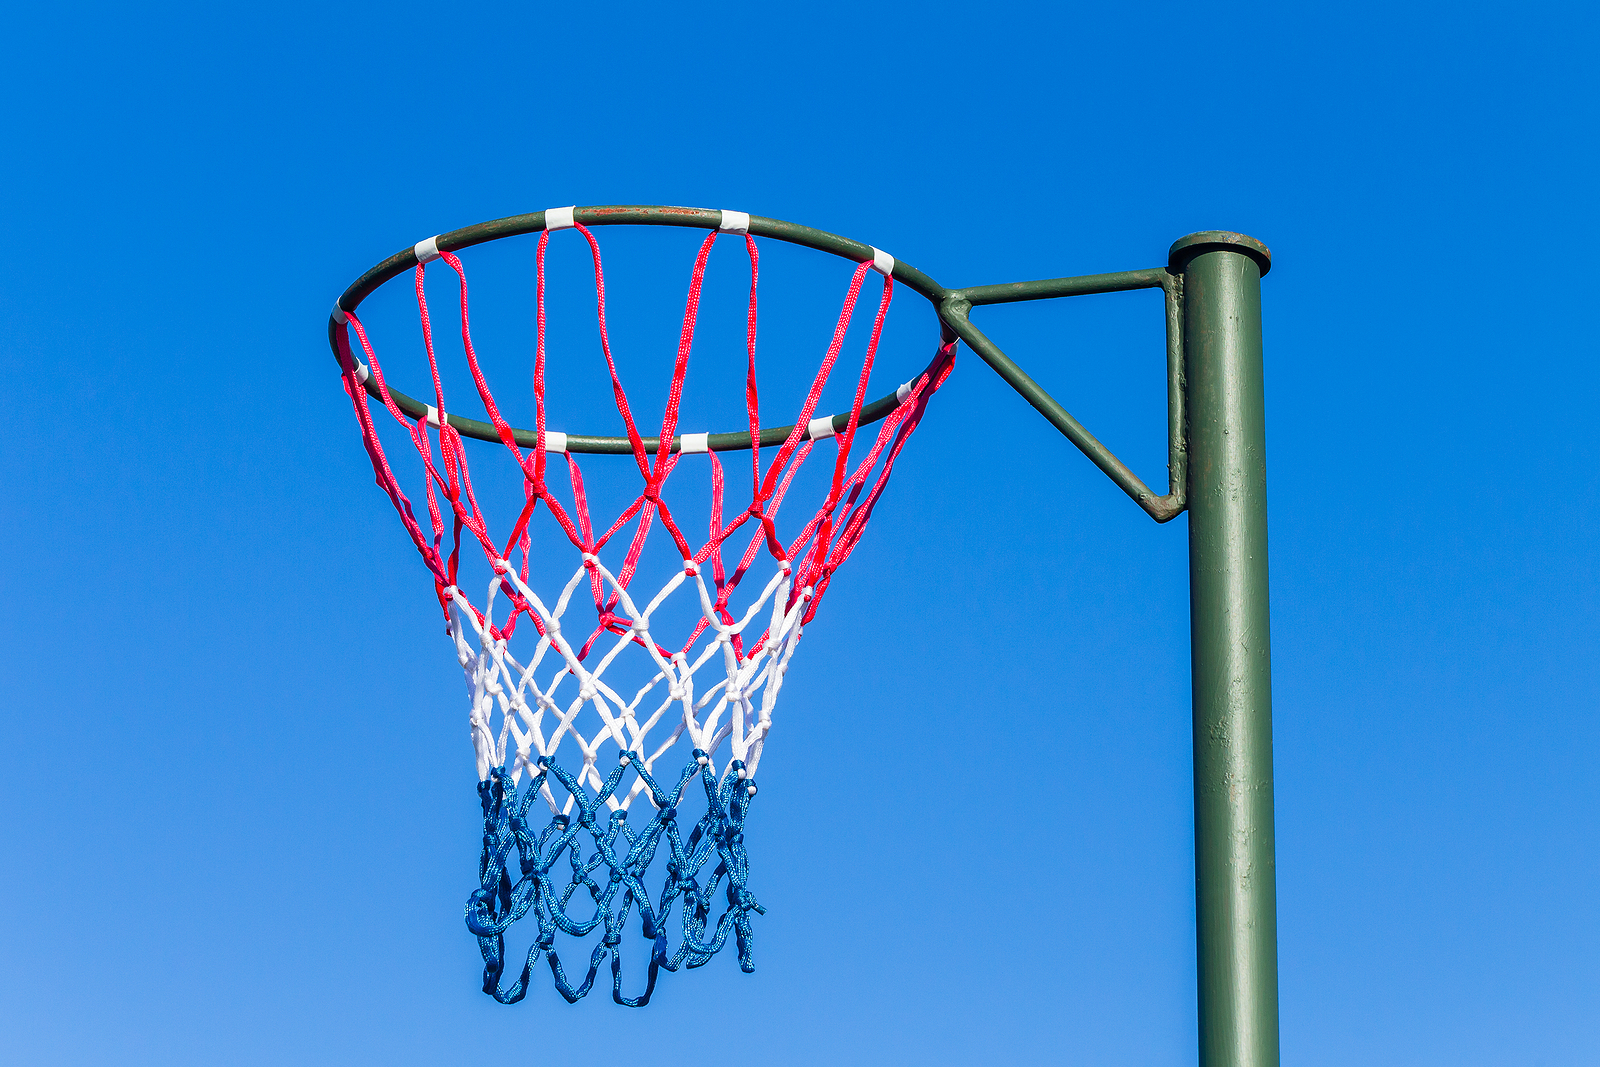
<point>954,311</point>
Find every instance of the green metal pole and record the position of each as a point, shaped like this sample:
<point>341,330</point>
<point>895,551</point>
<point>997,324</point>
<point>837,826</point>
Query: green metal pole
<point>1235,877</point>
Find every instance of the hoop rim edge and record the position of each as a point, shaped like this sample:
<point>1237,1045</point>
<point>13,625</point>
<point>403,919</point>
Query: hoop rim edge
<point>635,215</point>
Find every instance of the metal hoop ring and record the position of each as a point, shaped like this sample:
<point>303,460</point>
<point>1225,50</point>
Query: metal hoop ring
<point>693,217</point>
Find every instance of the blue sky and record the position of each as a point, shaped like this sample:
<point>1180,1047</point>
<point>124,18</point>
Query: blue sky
<point>239,802</point>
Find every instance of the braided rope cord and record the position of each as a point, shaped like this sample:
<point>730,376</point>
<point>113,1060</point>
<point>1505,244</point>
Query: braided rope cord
<point>588,810</point>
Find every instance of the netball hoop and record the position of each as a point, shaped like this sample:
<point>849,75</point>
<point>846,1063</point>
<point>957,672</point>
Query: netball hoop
<point>621,697</point>
<point>543,705</point>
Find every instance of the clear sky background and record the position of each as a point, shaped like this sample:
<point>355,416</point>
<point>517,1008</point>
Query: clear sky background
<point>237,798</point>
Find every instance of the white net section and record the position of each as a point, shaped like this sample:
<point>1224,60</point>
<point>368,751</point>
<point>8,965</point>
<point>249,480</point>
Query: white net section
<point>515,720</point>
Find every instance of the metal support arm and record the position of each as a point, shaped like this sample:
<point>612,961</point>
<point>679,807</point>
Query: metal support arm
<point>954,312</point>
<point>1217,470</point>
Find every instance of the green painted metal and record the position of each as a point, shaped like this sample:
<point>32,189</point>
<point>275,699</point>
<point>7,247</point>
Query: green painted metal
<point>698,218</point>
<point>1231,650</point>
<point>955,310</point>
<point>1216,470</point>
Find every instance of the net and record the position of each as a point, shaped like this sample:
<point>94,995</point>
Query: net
<point>568,743</point>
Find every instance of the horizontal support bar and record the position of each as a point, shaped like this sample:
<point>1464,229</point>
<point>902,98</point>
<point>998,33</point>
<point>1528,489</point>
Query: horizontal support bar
<point>1049,288</point>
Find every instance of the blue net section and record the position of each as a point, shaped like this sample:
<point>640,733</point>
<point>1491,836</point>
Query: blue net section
<point>608,860</point>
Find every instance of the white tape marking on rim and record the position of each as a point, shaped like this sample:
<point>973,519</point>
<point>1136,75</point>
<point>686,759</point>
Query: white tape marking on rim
<point>339,316</point>
<point>817,429</point>
<point>901,393</point>
<point>555,441</point>
<point>433,416</point>
<point>694,442</point>
<point>559,218</point>
<point>734,222</point>
<point>426,251</point>
<point>882,262</point>
<point>362,373</point>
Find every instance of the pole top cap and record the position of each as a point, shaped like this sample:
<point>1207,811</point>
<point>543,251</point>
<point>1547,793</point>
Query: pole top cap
<point>1186,248</point>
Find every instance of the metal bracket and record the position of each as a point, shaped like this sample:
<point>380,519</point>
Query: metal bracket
<point>953,312</point>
